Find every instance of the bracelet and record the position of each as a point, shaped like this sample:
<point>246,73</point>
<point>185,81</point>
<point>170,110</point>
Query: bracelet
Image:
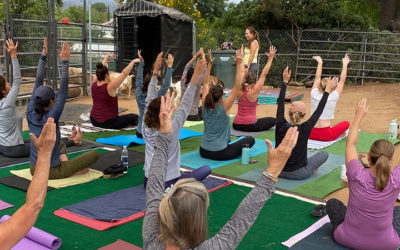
<point>271,177</point>
<point>155,74</point>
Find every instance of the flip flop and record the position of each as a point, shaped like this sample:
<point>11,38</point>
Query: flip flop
<point>319,211</point>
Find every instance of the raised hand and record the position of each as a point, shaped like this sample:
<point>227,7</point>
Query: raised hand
<point>200,52</point>
<point>278,157</point>
<point>211,59</point>
<point>139,54</point>
<point>11,48</point>
<point>113,56</point>
<point>272,52</point>
<point>165,116</point>
<point>65,52</point>
<point>158,62</point>
<point>346,60</point>
<point>318,59</point>
<point>362,108</point>
<point>137,60</point>
<point>44,50</point>
<point>198,70</point>
<point>239,55</point>
<point>286,74</point>
<point>170,60</point>
<point>331,84</point>
<point>47,138</point>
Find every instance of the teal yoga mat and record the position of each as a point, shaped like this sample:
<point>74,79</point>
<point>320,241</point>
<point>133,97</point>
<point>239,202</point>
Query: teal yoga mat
<point>333,162</point>
<point>194,160</point>
<point>126,140</point>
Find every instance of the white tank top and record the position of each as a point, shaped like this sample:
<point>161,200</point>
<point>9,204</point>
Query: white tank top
<point>329,110</point>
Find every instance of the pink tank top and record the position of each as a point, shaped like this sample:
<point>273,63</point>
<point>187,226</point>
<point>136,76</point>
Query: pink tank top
<point>247,110</point>
<point>104,107</point>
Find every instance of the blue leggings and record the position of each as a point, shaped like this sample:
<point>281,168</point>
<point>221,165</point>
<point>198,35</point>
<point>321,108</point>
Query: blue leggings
<point>198,174</point>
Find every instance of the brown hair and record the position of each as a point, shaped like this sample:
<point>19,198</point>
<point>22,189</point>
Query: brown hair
<point>250,78</point>
<point>2,86</point>
<point>254,32</point>
<point>183,214</point>
<point>151,118</point>
<point>322,85</point>
<point>380,153</point>
<point>213,96</point>
<point>296,117</point>
<point>101,71</point>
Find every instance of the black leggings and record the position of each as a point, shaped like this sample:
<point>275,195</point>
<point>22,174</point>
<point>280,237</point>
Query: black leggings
<point>230,152</point>
<point>337,212</point>
<point>23,150</point>
<point>261,124</point>
<point>122,121</point>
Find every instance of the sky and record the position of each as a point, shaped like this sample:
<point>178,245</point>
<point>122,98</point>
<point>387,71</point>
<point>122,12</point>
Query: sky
<point>234,1</point>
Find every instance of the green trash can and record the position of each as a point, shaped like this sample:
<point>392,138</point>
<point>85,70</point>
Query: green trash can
<point>224,67</point>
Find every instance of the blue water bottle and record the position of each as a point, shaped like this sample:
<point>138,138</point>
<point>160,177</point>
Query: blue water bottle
<point>245,154</point>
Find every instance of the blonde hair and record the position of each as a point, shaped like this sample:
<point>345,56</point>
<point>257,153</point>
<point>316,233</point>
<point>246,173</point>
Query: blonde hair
<point>380,153</point>
<point>183,214</point>
<point>296,117</point>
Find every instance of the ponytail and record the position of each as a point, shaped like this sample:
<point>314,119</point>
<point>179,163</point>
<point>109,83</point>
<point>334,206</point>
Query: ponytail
<point>296,117</point>
<point>39,107</point>
<point>381,153</point>
<point>213,96</point>
<point>101,71</point>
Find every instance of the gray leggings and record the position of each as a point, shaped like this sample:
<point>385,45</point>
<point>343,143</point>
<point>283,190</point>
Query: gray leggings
<point>313,163</point>
<point>17,151</point>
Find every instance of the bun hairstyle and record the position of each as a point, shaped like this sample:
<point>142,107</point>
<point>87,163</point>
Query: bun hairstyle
<point>101,71</point>
<point>254,32</point>
<point>213,96</point>
<point>2,86</point>
<point>183,214</point>
<point>40,104</point>
<point>380,153</point>
<point>296,117</point>
<point>250,78</point>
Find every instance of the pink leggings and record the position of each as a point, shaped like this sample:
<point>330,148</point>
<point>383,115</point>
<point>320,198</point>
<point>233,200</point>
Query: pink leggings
<point>329,133</point>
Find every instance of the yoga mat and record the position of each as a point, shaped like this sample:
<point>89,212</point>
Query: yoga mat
<point>61,183</point>
<point>72,111</point>
<point>117,208</point>
<point>333,162</point>
<point>120,245</point>
<point>314,144</point>
<point>114,157</point>
<point>320,239</point>
<point>18,183</point>
<point>5,162</point>
<point>194,160</point>
<point>4,205</point>
<point>126,140</point>
<point>189,124</point>
<point>238,133</point>
<point>36,239</point>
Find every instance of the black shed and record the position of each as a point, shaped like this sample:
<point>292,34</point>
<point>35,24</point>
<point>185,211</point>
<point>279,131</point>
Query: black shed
<point>152,28</point>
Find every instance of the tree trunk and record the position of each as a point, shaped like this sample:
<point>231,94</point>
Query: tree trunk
<point>388,14</point>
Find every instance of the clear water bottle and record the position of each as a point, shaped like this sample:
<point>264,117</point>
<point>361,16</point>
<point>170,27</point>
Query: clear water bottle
<point>124,158</point>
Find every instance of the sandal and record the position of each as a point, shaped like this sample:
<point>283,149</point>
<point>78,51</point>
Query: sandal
<point>319,211</point>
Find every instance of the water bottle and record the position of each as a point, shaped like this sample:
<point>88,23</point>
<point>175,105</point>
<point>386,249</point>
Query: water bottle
<point>393,126</point>
<point>124,158</point>
<point>245,154</point>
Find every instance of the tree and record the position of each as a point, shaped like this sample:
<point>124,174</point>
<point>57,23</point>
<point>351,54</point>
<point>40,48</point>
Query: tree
<point>185,6</point>
<point>35,9</point>
<point>388,15</point>
<point>210,9</point>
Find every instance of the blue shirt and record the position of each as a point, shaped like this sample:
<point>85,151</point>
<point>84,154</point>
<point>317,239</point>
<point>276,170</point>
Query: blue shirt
<point>217,129</point>
<point>35,125</point>
<point>141,97</point>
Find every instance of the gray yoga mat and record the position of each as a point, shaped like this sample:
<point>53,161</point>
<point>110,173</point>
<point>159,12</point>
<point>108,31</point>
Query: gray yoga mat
<point>239,133</point>
<point>320,239</point>
<point>114,157</point>
<point>72,111</point>
<point>6,162</point>
<point>18,182</point>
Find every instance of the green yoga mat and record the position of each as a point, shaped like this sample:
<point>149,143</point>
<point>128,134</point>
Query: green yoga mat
<point>281,217</point>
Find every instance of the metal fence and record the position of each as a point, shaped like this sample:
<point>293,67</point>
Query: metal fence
<point>374,55</point>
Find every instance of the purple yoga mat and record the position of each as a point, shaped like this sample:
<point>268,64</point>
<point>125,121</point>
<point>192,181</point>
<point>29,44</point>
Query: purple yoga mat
<point>36,239</point>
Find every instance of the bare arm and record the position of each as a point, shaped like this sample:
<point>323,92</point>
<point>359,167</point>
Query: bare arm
<point>343,75</point>
<point>15,228</point>
<point>253,48</point>
<point>206,86</point>
<point>13,94</point>
<point>318,74</point>
<point>115,83</point>
<point>253,93</point>
<point>228,102</point>
<point>105,60</point>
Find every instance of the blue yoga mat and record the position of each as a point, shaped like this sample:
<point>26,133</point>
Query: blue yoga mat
<point>320,239</point>
<point>194,160</point>
<point>333,162</point>
<point>126,140</point>
<point>123,203</point>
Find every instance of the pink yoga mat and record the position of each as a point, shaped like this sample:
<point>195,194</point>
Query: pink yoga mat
<point>4,205</point>
<point>120,245</point>
<point>36,239</point>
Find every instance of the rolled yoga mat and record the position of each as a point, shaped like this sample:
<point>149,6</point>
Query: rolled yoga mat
<point>36,239</point>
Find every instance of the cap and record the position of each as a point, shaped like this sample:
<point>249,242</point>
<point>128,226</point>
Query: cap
<point>45,93</point>
<point>297,107</point>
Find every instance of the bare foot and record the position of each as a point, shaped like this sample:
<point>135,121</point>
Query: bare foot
<point>74,132</point>
<point>83,171</point>
<point>315,171</point>
<point>78,138</point>
<point>63,157</point>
